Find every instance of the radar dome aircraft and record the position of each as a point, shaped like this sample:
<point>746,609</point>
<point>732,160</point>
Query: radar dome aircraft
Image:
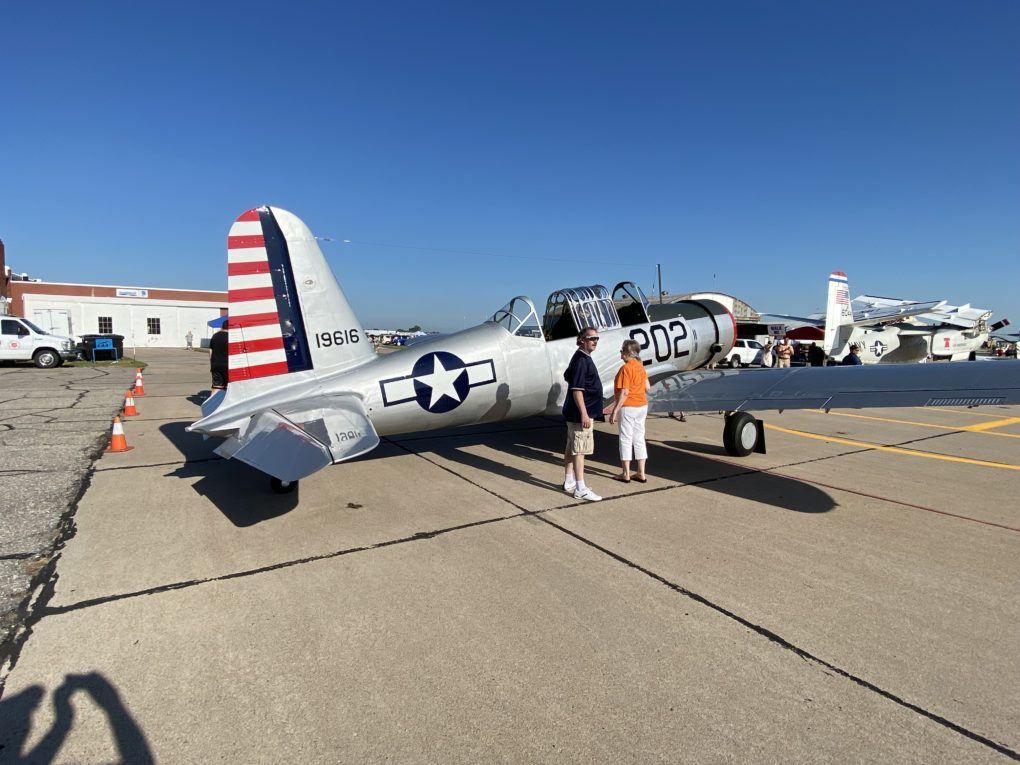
<point>307,389</point>
<point>894,331</point>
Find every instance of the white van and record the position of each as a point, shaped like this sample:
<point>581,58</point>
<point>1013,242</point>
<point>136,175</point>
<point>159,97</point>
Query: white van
<point>21,340</point>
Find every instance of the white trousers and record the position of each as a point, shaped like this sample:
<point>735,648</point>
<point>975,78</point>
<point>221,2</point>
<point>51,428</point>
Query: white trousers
<point>632,433</point>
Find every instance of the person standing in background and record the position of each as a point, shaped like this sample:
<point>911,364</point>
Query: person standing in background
<point>219,358</point>
<point>784,352</point>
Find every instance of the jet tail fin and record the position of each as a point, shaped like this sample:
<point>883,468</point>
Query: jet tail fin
<point>839,316</point>
<point>288,313</point>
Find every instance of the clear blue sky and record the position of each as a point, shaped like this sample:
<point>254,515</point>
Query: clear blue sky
<point>473,151</point>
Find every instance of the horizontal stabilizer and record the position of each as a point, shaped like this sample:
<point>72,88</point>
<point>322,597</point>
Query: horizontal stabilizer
<point>277,447</point>
<point>839,387</point>
<point>293,444</point>
<point>340,422</point>
<point>210,404</point>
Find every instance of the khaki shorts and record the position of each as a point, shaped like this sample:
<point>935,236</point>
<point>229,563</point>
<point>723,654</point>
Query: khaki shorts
<point>580,440</point>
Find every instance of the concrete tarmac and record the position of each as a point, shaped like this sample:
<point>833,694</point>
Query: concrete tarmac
<point>54,423</point>
<point>851,596</point>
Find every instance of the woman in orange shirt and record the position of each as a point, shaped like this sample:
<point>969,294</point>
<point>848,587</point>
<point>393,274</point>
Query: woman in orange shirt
<point>630,408</point>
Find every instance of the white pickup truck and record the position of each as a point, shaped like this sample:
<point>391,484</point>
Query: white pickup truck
<point>21,340</point>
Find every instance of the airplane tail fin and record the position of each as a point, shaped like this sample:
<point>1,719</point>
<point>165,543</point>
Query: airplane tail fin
<point>839,315</point>
<point>287,312</point>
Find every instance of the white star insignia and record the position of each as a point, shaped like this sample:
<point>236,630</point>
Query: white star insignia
<point>441,381</point>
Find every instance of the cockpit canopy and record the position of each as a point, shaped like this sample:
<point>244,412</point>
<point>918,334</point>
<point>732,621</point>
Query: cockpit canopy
<point>570,310</point>
<point>518,317</point>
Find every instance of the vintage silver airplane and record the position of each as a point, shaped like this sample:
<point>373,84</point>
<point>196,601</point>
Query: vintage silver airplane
<point>307,389</point>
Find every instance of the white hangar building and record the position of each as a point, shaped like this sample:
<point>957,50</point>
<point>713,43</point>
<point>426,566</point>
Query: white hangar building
<point>147,318</point>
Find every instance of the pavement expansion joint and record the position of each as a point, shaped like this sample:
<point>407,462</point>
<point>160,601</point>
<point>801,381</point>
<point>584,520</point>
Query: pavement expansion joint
<point>758,629</point>
<point>46,611</point>
<point>789,646</point>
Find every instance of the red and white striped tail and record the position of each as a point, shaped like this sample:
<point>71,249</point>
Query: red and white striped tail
<point>256,337</point>
<point>288,314</point>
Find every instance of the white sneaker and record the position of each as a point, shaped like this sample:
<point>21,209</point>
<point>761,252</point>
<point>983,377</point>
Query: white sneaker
<point>569,484</point>
<point>587,494</point>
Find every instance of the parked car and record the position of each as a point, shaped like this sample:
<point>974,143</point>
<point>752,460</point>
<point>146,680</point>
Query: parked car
<point>745,353</point>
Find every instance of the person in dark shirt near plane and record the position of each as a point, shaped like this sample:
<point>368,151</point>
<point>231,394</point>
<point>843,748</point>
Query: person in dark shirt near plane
<point>219,358</point>
<point>582,405</point>
<point>853,358</point>
<point>816,356</point>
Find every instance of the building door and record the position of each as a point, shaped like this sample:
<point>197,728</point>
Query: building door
<point>56,321</point>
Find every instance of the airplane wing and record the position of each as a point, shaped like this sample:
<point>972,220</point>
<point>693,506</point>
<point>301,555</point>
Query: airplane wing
<point>870,309</point>
<point>813,321</point>
<point>962,316</point>
<point>839,387</point>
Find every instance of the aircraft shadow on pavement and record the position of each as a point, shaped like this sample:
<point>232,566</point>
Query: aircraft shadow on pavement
<point>243,495</point>
<point>16,713</point>
<point>676,465</point>
<point>240,492</point>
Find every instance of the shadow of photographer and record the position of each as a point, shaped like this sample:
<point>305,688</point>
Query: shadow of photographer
<point>16,713</point>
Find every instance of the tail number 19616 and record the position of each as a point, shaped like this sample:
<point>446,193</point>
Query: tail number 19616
<point>337,337</point>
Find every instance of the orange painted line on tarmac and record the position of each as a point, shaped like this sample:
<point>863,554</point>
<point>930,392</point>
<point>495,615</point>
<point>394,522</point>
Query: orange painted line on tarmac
<point>895,449</point>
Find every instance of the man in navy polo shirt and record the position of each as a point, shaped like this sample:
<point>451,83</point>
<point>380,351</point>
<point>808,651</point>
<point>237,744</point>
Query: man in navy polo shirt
<point>583,405</point>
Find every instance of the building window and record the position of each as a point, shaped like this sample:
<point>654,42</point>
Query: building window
<point>153,326</point>
<point>105,325</point>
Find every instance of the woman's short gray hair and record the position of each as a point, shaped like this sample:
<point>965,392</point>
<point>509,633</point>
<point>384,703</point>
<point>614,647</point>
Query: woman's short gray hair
<point>632,348</point>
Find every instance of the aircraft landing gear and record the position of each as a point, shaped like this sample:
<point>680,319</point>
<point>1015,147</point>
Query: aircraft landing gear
<point>740,434</point>
<point>282,487</point>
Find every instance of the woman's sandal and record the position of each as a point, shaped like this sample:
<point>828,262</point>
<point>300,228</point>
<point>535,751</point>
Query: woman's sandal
<point>641,479</point>
<point>621,479</point>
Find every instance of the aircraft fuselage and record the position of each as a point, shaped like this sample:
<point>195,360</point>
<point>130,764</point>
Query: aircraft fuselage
<point>487,374</point>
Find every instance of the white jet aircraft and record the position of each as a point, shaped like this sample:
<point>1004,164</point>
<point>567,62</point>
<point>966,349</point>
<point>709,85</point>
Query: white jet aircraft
<point>307,389</point>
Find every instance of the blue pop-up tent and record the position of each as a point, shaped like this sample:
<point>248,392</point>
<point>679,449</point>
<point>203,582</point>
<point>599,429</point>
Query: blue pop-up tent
<point>217,322</point>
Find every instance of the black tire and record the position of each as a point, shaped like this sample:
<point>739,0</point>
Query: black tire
<point>740,434</point>
<point>735,362</point>
<point>46,358</point>
<point>282,487</point>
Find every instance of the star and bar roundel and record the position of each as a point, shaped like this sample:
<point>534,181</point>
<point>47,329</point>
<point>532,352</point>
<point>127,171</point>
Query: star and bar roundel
<point>439,382</point>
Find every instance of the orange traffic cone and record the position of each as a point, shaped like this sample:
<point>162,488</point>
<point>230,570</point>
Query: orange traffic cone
<point>139,383</point>
<point>118,443</point>
<point>129,405</point>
